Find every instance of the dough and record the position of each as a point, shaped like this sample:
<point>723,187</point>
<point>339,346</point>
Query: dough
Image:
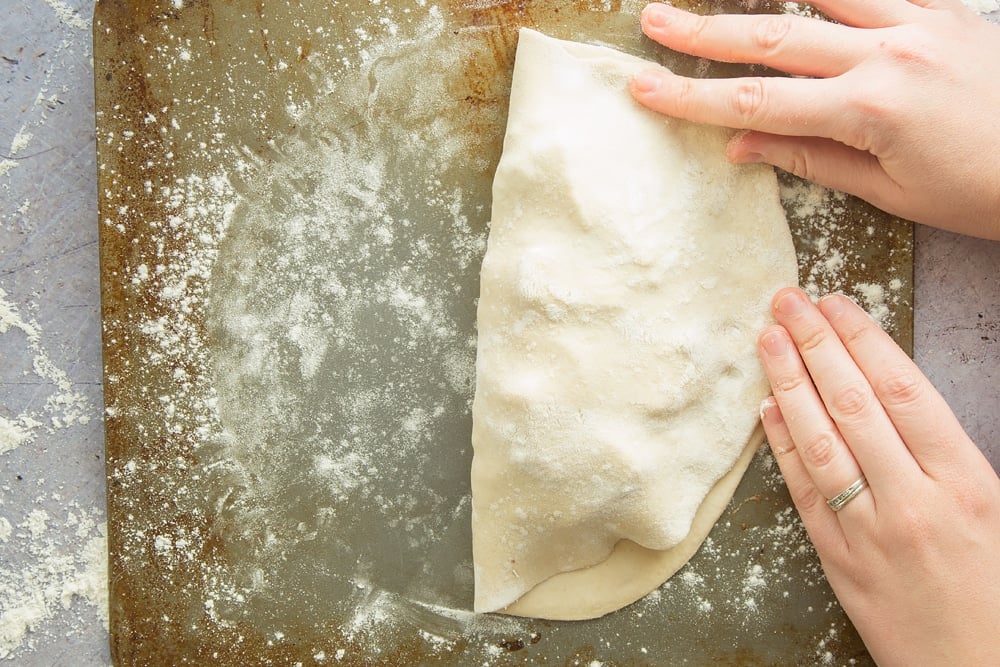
<point>628,273</point>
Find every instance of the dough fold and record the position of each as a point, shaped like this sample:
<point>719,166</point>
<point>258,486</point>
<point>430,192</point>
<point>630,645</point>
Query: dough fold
<point>628,272</point>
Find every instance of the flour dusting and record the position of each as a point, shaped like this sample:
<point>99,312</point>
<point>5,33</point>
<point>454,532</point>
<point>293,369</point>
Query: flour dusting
<point>60,546</point>
<point>63,569</point>
<point>68,15</point>
<point>340,363</point>
<point>63,404</point>
<point>983,6</point>
<point>304,315</point>
<point>823,220</point>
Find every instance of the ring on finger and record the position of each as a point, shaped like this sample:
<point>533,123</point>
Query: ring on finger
<point>839,501</point>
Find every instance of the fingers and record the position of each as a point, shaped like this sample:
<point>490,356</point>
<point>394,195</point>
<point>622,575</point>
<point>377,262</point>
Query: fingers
<point>790,43</point>
<point>919,414</point>
<point>796,44</point>
<point>822,524</point>
<point>825,161</point>
<point>822,449</point>
<point>844,393</point>
<point>776,105</point>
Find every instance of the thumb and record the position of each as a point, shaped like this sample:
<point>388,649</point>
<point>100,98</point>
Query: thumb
<point>823,161</point>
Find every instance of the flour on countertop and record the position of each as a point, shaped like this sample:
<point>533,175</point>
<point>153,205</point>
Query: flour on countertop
<point>53,546</point>
<point>63,566</point>
<point>68,15</point>
<point>53,567</point>
<point>20,142</point>
<point>64,405</point>
<point>14,433</point>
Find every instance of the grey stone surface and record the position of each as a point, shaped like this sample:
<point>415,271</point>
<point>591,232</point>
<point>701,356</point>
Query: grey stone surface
<point>52,482</point>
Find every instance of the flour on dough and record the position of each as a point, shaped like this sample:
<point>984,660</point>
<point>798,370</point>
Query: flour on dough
<point>628,272</point>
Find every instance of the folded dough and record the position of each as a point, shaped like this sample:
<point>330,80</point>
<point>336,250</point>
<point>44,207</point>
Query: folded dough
<point>627,275</point>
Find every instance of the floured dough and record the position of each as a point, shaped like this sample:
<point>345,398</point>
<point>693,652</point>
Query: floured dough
<point>628,273</point>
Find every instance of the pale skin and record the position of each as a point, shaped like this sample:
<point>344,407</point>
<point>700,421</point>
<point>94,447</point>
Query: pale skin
<point>896,105</point>
<point>893,107</point>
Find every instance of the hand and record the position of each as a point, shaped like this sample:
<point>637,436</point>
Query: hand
<point>914,558</point>
<point>899,107</point>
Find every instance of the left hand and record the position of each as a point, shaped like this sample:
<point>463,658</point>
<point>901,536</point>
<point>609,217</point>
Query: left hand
<point>915,557</point>
<point>897,104</point>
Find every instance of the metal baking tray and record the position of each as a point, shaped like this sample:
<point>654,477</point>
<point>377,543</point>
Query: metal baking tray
<point>294,199</point>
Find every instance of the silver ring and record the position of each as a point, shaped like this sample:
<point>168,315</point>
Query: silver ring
<point>838,502</point>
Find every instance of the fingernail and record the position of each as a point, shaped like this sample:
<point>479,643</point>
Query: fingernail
<point>769,411</point>
<point>775,344</point>
<point>646,82</point>
<point>737,152</point>
<point>832,306</point>
<point>791,303</point>
<point>656,16</point>
<point>736,157</point>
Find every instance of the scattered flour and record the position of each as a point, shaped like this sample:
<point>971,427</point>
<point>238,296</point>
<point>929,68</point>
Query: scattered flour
<point>60,548</point>
<point>68,15</point>
<point>983,6</point>
<point>13,434</point>
<point>300,266</point>
<point>20,142</point>
<point>53,547</point>
<point>826,241</point>
<point>63,405</point>
<point>302,269</point>
<point>61,567</point>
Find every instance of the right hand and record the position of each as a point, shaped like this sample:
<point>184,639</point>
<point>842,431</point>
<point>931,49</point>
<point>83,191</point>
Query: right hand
<point>914,557</point>
<point>899,105</point>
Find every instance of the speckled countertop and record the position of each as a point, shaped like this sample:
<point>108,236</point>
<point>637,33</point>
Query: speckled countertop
<point>53,607</point>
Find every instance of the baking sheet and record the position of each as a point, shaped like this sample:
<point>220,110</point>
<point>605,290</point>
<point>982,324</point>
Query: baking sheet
<point>294,204</point>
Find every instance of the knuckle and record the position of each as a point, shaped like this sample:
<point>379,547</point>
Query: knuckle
<point>901,387</point>
<point>909,46</point>
<point>750,99</point>
<point>872,108</point>
<point>820,450</point>
<point>807,498</point>
<point>911,527</point>
<point>698,27</point>
<point>876,115</point>
<point>769,33</point>
<point>854,400</point>
<point>787,384</point>
<point>684,96</point>
<point>863,134</point>
<point>855,336</point>
<point>869,115</point>
<point>812,338</point>
<point>977,497</point>
<point>799,164</point>
<point>974,503</point>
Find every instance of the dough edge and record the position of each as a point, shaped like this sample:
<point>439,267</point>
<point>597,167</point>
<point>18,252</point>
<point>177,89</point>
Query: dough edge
<point>631,571</point>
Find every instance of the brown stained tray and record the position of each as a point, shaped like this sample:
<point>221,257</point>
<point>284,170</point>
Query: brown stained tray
<point>294,200</point>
